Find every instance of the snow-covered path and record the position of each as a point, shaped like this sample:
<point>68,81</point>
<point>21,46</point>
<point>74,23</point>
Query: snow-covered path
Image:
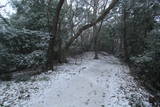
<point>90,83</point>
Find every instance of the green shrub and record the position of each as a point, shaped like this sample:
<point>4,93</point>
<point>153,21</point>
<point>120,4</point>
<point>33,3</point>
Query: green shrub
<point>21,49</point>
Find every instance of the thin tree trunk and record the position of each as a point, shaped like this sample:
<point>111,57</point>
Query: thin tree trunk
<point>95,36</point>
<point>97,30</point>
<point>97,40</point>
<point>59,42</point>
<point>125,44</point>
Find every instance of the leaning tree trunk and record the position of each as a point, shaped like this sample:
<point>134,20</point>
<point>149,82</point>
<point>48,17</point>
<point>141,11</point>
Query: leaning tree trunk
<point>53,48</point>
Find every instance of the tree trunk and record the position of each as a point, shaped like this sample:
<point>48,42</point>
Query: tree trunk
<point>53,48</point>
<point>97,30</point>
<point>95,36</point>
<point>125,44</point>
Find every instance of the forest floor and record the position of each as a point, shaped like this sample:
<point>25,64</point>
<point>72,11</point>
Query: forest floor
<point>82,82</point>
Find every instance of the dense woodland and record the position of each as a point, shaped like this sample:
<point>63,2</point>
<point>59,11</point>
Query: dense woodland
<point>43,33</point>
